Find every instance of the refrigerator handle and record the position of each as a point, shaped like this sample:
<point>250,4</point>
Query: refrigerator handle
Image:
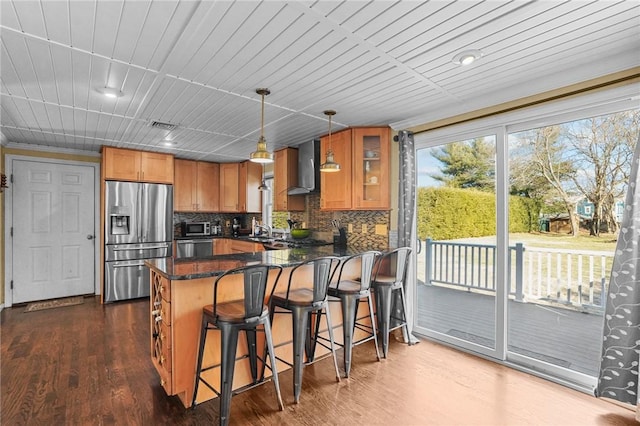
<point>139,219</point>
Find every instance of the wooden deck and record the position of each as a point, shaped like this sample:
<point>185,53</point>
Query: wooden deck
<point>562,337</point>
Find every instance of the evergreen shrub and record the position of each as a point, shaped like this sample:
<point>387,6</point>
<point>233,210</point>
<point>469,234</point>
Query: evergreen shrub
<point>452,213</point>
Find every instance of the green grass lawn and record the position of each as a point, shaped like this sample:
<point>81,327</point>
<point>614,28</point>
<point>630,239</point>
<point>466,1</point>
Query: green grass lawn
<point>606,242</point>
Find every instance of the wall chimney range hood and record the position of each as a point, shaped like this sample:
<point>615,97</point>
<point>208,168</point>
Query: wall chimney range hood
<point>308,169</point>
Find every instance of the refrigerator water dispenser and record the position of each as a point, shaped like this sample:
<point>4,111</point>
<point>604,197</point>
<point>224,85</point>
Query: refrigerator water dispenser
<point>119,225</point>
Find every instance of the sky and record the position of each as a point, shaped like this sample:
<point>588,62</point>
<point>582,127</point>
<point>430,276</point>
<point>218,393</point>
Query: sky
<point>427,165</point>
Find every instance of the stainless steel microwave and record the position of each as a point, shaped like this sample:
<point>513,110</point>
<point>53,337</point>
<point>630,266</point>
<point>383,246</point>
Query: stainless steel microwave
<point>195,229</point>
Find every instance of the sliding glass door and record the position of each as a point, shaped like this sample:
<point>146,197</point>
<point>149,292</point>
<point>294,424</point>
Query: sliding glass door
<point>456,226</point>
<point>568,182</point>
<point>517,217</point>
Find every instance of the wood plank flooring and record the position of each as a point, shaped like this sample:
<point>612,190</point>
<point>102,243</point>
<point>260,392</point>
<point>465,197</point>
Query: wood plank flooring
<point>89,365</point>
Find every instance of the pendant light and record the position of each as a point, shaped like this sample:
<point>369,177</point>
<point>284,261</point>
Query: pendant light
<point>263,186</point>
<point>330,166</point>
<point>261,155</point>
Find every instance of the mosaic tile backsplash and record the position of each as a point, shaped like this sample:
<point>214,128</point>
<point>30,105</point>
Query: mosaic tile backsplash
<point>320,222</point>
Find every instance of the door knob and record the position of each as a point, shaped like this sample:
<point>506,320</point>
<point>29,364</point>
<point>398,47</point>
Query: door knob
<point>90,237</point>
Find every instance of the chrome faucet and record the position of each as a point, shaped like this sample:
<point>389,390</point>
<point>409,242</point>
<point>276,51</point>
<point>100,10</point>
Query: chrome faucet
<point>266,228</point>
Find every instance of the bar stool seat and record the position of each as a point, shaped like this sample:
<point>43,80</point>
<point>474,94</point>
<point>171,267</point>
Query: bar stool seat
<point>389,279</point>
<point>350,292</point>
<point>302,298</point>
<point>231,312</point>
<point>246,314</point>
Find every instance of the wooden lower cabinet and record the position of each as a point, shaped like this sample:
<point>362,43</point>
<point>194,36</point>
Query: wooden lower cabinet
<point>232,245</point>
<point>176,315</point>
<point>239,246</point>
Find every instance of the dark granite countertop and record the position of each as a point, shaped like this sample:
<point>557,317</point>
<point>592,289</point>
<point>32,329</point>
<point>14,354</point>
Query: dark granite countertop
<point>202,237</point>
<point>209,266</point>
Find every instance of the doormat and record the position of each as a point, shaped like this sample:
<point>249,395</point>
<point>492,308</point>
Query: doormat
<point>54,303</point>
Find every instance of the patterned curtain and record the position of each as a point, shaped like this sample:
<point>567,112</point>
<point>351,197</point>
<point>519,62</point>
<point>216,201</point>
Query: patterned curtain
<point>406,216</point>
<point>618,378</point>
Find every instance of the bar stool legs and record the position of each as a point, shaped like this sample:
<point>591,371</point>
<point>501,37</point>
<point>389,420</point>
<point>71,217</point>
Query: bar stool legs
<point>385,286</point>
<point>272,360</point>
<point>384,298</point>
<point>228,346</point>
<point>300,322</point>
<point>349,303</point>
<point>303,342</point>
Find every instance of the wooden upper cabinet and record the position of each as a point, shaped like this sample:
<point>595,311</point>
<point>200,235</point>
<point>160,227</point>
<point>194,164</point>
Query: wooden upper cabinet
<point>371,168</point>
<point>229,192</point>
<point>196,186</point>
<point>363,180</point>
<point>335,187</point>
<point>285,176</point>
<point>239,184</point>
<point>137,166</point>
<point>156,167</point>
<point>208,194</point>
<point>184,188</point>
<point>250,179</point>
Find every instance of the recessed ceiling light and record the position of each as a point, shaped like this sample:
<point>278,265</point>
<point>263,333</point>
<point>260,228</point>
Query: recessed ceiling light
<point>110,92</point>
<point>168,143</point>
<point>467,57</point>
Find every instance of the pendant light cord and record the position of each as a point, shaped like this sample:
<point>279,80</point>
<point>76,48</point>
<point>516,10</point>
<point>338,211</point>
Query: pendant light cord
<point>262,119</point>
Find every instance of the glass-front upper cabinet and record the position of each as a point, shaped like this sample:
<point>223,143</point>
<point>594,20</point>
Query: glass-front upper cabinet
<point>371,168</point>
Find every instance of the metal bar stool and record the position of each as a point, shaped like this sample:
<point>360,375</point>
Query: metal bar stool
<point>230,317</point>
<point>303,297</point>
<point>389,279</point>
<point>352,291</point>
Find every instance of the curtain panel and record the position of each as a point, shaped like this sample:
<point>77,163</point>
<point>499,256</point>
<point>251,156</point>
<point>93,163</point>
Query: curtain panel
<point>618,378</point>
<point>406,220</point>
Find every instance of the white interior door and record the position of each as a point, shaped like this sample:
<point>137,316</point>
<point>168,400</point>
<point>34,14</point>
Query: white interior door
<point>53,244</point>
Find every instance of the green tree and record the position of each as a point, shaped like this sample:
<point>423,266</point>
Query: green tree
<point>467,165</point>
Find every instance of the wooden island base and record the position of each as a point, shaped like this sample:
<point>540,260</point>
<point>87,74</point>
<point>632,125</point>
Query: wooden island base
<point>176,315</point>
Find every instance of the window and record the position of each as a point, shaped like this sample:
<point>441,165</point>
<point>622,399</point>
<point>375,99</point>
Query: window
<point>534,256</point>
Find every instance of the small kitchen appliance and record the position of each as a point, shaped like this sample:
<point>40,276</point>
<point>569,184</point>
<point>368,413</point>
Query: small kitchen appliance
<point>236,226</point>
<point>196,229</point>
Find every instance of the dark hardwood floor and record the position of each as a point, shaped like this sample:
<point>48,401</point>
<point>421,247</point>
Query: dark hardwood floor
<point>89,365</point>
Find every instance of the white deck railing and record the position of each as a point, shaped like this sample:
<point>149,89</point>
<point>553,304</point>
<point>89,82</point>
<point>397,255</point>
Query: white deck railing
<point>571,277</point>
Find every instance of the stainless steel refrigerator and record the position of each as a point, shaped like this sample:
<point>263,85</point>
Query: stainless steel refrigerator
<point>138,226</point>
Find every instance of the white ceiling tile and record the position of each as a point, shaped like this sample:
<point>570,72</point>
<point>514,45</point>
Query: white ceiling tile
<point>29,14</point>
<point>108,19</point>
<point>82,17</point>
<point>56,17</point>
<point>197,64</point>
<point>10,77</point>
<point>8,16</point>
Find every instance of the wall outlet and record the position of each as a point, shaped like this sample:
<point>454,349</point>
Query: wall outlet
<point>381,229</point>
<point>364,228</point>
<point>350,228</point>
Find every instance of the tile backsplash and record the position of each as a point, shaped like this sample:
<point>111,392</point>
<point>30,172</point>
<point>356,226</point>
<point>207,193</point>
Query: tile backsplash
<point>374,222</point>
<point>370,220</point>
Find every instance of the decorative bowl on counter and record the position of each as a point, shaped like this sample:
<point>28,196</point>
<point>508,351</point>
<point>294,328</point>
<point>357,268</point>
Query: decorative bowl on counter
<point>370,154</point>
<point>299,233</point>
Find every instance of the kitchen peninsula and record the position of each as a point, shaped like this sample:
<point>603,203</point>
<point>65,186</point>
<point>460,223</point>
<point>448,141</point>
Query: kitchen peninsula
<point>180,288</point>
